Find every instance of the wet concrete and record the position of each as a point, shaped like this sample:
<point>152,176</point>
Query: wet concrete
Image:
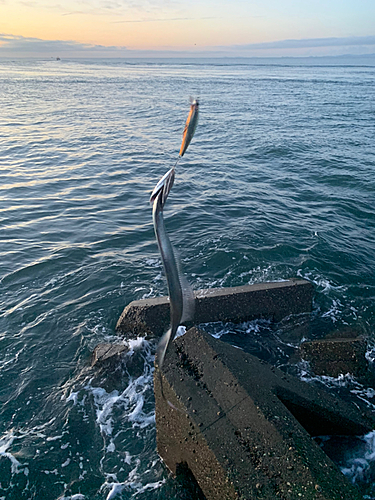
<point>244,428</point>
<point>263,300</point>
<point>335,356</point>
<point>108,355</point>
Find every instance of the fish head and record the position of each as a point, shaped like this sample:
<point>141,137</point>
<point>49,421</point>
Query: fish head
<point>163,187</point>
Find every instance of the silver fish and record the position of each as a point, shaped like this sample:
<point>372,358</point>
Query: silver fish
<point>180,295</point>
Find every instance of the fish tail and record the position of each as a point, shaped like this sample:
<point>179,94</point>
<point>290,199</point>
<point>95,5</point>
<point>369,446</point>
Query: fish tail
<point>160,355</point>
<point>162,347</point>
<point>160,378</point>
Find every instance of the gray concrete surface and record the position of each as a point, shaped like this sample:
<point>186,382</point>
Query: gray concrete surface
<point>263,300</point>
<point>108,355</point>
<point>336,356</point>
<point>244,427</point>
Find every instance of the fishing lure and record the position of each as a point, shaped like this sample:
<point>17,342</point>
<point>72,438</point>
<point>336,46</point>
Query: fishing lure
<point>190,126</point>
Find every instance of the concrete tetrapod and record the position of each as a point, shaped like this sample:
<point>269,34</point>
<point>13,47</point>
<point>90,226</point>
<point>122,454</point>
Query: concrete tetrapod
<point>244,428</point>
<point>262,300</point>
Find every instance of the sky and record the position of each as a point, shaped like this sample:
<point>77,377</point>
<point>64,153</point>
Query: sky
<point>238,28</point>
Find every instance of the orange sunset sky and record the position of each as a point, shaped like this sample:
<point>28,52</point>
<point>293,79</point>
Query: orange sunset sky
<point>237,27</point>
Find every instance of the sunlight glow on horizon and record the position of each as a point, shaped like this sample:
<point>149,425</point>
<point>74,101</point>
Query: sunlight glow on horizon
<point>162,24</point>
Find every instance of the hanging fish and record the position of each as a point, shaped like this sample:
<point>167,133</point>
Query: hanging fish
<point>190,126</point>
<point>181,298</point>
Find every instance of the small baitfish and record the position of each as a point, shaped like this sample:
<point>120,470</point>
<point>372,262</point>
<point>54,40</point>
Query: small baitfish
<point>190,126</point>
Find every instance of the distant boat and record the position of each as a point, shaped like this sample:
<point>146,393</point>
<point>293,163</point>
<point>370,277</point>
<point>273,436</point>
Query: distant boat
<point>58,59</point>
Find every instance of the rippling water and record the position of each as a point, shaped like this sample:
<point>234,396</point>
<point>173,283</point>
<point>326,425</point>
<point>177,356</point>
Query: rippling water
<point>278,182</point>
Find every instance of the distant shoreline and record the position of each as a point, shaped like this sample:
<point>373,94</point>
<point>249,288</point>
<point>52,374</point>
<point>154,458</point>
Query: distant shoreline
<point>171,57</point>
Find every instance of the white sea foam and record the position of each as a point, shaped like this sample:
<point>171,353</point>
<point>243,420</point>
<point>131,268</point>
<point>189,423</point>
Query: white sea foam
<point>133,486</point>
<point>149,486</point>
<point>66,463</point>
<point>127,458</point>
<point>116,489</point>
<point>335,311</point>
<point>148,294</point>
<point>153,262</point>
<point>321,282</point>
<point>258,274</point>
<point>131,400</point>
<point>370,354</point>
<point>218,329</point>
<point>181,330</point>
<point>336,305</point>
<point>104,404</point>
<point>342,380</point>
<point>73,396</point>
<point>132,483</point>
<point>130,404</point>
<point>358,468</point>
<point>77,496</point>
<point>111,447</point>
<point>120,412</point>
<point>135,344</point>
<point>348,381</point>
<point>54,438</point>
<point>5,443</point>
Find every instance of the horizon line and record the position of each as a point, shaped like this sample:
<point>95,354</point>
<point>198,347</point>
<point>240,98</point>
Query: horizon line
<point>157,53</point>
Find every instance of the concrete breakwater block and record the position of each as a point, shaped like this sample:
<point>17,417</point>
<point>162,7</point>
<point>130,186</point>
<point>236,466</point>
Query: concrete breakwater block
<point>336,356</point>
<point>245,428</point>
<point>108,355</point>
<point>263,300</point>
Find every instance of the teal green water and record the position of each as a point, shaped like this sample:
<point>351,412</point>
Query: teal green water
<point>278,182</point>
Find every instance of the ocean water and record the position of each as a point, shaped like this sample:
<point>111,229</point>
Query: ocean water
<point>278,182</point>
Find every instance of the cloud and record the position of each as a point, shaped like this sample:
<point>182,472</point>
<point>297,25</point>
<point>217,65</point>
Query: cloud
<point>19,46</point>
<point>114,7</point>
<point>13,45</point>
<point>157,20</point>
<point>308,43</point>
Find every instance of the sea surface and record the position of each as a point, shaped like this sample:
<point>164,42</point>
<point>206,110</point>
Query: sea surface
<point>278,182</point>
